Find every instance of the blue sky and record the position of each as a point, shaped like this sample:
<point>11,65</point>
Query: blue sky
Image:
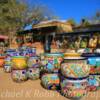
<point>67,9</point>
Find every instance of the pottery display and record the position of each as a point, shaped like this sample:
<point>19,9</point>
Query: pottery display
<point>19,75</point>
<point>34,61</point>
<point>53,61</point>
<point>75,67</point>
<point>7,64</point>
<point>2,61</point>
<point>74,89</point>
<point>19,62</point>
<point>50,81</point>
<point>93,82</point>
<point>33,73</point>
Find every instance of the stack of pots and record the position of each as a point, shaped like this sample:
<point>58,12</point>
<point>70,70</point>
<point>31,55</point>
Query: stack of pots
<point>19,68</point>
<point>50,75</point>
<point>33,70</point>
<point>94,77</point>
<point>74,75</point>
<point>7,65</point>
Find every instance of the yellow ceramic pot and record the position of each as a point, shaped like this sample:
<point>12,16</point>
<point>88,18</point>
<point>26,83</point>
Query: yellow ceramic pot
<point>19,62</point>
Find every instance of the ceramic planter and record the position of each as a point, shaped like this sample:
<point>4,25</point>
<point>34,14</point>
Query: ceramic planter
<point>11,52</point>
<point>94,82</point>
<point>7,65</point>
<point>74,89</point>
<point>19,75</point>
<point>2,61</point>
<point>19,62</point>
<point>50,81</point>
<point>33,73</point>
<point>34,62</point>
<point>75,67</point>
<point>53,61</point>
<point>94,62</point>
<point>33,51</point>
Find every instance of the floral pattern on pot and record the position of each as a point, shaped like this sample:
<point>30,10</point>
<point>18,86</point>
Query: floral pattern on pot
<point>75,68</point>
<point>33,73</point>
<point>74,88</point>
<point>34,62</point>
<point>19,75</point>
<point>19,62</point>
<point>53,61</point>
<point>50,81</point>
<point>93,82</point>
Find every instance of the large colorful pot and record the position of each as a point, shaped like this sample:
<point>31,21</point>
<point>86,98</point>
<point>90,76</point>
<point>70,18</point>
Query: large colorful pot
<point>19,62</point>
<point>74,89</point>
<point>53,61</point>
<point>7,65</point>
<point>93,82</point>
<point>33,73</point>
<point>93,62</point>
<point>50,81</point>
<point>2,61</point>
<point>34,62</point>
<point>19,75</point>
<point>75,67</point>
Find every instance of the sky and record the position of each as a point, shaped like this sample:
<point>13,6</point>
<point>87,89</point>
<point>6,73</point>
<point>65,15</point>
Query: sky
<point>71,9</point>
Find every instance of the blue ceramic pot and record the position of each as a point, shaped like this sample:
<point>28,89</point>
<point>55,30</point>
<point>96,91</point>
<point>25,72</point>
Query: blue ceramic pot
<point>74,89</point>
<point>53,61</point>
<point>50,81</point>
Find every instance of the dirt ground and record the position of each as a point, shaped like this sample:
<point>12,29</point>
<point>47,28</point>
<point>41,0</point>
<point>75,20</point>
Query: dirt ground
<point>31,90</point>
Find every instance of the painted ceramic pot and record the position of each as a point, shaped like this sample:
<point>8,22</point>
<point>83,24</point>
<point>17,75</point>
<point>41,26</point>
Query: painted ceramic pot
<point>93,82</point>
<point>19,75</point>
<point>33,51</point>
<point>34,62</point>
<point>93,62</point>
<point>74,89</point>
<point>7,65</point>
<point>50,81</point>
<point>11,52</point>
<point>2,61</point>
<point>19,62</point>
<point>33,73</point>
<point>75,67</point>
<point>53,61</point>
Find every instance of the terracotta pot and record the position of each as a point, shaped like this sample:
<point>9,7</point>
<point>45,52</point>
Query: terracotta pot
<point>19,62</point>
<point>34,62</point>
<point>94,82</point>
<point>2,61</point>
<point>50,81</point>
<point>33,73</point>
<point>75,67</point>
<point>53,61</point>
<point>74,89</point>
<point>19,75</point>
